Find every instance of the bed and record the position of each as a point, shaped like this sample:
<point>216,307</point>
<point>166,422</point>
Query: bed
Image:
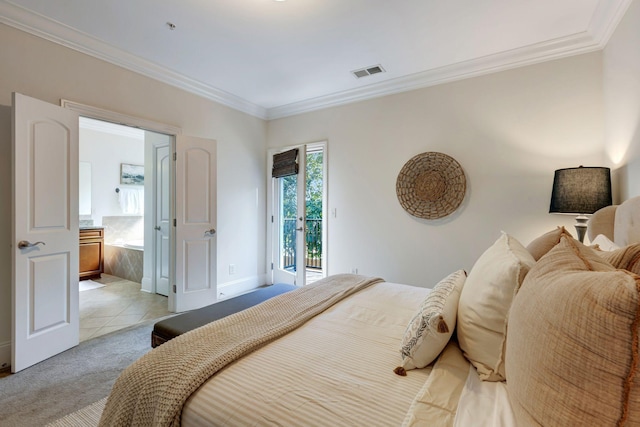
<point>530,336</point>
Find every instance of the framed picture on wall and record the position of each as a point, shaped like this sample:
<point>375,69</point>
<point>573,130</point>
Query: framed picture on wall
<point>131,174</point>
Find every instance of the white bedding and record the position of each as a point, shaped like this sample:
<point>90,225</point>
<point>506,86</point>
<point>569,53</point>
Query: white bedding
<point>484,403</point>
<point>336,370</point>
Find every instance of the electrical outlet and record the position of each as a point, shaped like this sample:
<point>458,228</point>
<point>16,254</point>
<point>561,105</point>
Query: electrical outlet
<point>232,269</point>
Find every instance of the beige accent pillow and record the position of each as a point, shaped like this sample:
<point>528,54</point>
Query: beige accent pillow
<point>485,302</point>
<point>572,343</point>
<point>431,328</point>
<point>543,244</point>
<point>627,258</point>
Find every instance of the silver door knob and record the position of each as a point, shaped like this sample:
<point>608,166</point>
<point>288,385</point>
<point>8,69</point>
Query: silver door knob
<point>23,244</point>
<point>210,233</point>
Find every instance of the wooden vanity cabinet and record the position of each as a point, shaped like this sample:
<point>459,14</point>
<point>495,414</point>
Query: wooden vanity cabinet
<point>91,253</point>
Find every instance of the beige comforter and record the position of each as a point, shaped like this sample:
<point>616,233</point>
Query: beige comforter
<point>152,391</point>
<point>336,370</point>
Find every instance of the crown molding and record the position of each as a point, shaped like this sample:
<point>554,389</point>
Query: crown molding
<point>54,31</point>
<point>606,17</point>
<point>540,52</point>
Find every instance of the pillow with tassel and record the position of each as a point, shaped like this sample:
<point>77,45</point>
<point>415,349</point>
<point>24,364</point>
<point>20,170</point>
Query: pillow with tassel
<point>431,328</point>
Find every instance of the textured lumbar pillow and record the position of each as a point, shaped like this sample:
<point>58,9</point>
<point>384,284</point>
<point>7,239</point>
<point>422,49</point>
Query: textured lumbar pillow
<point>572,344</point>
<point>626,258</point>
<point>431,328</point>
<point>485,302</point>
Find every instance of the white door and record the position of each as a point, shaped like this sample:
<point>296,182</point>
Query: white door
<point>289,223</point>
<point>45,231</point>
<point>195,214</point>
<point>162,171</point>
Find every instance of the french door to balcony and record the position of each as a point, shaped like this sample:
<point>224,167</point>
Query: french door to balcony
<point>298,228</point>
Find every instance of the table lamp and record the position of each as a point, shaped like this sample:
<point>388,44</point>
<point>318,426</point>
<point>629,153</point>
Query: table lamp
<point>581,191</point>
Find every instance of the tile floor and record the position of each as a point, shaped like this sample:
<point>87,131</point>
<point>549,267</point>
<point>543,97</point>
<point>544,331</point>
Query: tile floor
<point>118,304</point>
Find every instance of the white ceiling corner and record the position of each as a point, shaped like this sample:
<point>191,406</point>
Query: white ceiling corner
<point>56,32</point>
<point>565,28</point>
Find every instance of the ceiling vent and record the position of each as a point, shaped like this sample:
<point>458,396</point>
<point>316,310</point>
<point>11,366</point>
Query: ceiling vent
<point>375,69</point>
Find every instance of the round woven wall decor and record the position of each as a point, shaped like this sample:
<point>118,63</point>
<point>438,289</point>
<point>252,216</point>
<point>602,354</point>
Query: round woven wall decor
<point>431,185</point>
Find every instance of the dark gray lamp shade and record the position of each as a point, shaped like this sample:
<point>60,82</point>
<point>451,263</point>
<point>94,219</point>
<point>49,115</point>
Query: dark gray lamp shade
<point>581,190</point>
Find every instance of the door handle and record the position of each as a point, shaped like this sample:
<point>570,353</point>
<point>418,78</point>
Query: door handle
<point>23,244</point>
<point>157,227</point>
<point>300,229</point>
<point>210,233</point>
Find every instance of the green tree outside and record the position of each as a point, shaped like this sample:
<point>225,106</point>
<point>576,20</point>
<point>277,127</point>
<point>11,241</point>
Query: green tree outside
<point>313,191</point>
<point>313,198</point>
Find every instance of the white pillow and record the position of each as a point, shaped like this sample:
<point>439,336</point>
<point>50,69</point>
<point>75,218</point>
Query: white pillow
<point>431,328</point>
<point>484,305</point>
<point>604,243</point>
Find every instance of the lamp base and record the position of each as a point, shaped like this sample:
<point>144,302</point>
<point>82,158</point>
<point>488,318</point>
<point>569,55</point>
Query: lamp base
<point>581,227</point>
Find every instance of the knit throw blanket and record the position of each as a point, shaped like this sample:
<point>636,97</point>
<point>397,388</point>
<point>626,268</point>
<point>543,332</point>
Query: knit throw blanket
<point>153,390</point>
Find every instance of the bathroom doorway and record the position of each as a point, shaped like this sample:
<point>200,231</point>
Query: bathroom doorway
<point>125,193</point>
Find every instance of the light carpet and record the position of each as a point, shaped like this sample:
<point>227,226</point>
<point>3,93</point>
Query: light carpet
<point>87,285</point>
<point>71,380</point>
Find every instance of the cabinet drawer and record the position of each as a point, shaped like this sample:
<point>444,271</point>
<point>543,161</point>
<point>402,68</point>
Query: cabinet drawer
<point>91,234</point>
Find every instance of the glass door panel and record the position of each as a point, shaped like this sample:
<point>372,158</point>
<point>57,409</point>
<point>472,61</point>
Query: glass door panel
<point>289,241</point>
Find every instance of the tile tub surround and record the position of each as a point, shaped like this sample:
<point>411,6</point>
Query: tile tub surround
<point>124,262</point>
<point>122,228</point>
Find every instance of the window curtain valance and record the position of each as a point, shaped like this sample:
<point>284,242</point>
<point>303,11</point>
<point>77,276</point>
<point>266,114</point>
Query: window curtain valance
<point>285,164</point>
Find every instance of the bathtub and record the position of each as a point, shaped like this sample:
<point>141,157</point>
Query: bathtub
<point>134,244</point>
<point>125,259</point>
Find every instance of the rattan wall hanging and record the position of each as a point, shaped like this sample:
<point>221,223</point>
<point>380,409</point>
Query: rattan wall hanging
<point>431,185</point>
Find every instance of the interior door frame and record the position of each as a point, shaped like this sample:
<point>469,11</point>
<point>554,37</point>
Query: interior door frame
<point>136,122</point>
<point>271,223</point>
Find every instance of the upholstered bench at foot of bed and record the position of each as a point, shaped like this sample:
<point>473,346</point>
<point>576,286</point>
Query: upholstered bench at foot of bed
<point>170,328</point>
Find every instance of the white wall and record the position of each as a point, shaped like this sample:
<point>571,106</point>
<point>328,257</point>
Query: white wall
<point>508,130</point>
<point>106,152</point>
<point>621,64</point>
<point>44,70</point>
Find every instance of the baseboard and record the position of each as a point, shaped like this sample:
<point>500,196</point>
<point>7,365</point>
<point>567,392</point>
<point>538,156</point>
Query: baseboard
<point>147,285</point>
<point>237,287</point>
<point>5,355</point>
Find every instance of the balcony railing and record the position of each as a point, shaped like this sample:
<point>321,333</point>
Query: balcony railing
<point>313,238</point>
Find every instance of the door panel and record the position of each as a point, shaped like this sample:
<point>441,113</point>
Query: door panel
<point>195,184</point>
<point>45,214</point>
<point>163,212</point>
<point>289,243</point>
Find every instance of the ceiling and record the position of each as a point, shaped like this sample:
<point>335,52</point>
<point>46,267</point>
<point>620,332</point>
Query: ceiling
<point>273,59</point>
